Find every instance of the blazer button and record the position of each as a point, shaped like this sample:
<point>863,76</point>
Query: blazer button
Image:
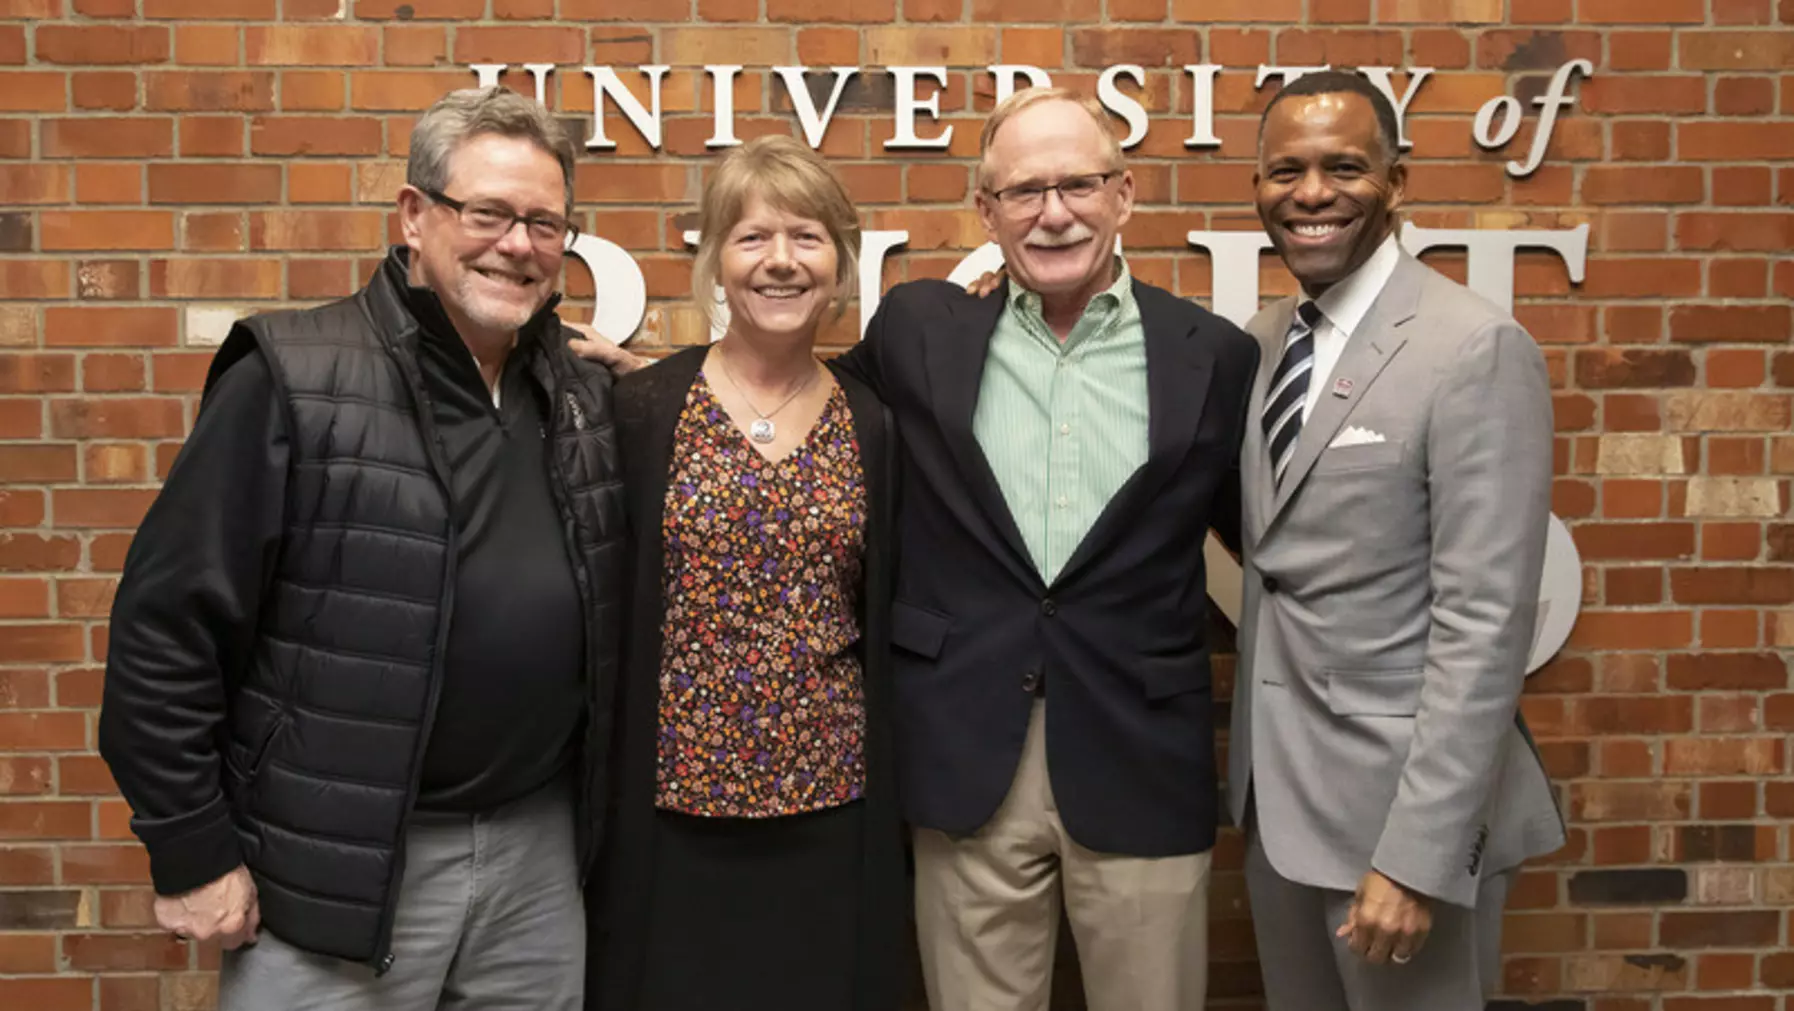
<point>1048,608</point>
<point>1270,583</point>
<point>1031,681</point>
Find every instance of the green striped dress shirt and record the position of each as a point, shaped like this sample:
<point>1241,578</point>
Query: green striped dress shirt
<point>1063,425</point>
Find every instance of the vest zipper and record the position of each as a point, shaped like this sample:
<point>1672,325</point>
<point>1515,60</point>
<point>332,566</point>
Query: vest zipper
<point>557,484</point>
<point>383,955</point>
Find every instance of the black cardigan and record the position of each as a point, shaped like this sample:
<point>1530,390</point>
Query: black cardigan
<point>648,405</point>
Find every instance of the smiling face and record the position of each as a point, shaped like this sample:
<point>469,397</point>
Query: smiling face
<point>778,271</point>
<point>1059,248</point>
<point>491,285</point>
<point>1327,191</point>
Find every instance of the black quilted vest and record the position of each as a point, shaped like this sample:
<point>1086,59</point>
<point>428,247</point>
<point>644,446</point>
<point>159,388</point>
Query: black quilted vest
<point>328,724</point>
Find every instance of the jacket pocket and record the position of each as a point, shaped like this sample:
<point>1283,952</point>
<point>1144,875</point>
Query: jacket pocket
<point>1374,692</point>
<point>918,629</point>
<point>1367,456</point>
<point>1164,677</point>
<point>258,755</point>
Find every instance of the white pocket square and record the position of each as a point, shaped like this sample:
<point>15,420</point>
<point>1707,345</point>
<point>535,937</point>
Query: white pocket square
<point>1352,435</point>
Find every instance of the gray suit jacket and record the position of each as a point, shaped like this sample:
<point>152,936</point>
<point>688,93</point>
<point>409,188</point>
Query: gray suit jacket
<point>1391,592</point>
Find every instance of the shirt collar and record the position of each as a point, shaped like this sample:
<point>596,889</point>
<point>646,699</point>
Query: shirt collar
<point>1021,299</point>
<point>1346,303</point>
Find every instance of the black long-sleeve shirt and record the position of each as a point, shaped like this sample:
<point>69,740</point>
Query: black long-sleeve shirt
<point>184,620</point>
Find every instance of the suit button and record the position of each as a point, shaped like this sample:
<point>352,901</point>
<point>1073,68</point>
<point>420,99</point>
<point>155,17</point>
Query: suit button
<point>1031,681</point>
<point>1048,608</point>
<point>1270,584</point>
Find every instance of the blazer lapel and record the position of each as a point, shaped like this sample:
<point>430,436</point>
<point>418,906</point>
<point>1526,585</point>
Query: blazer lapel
<point>1255,465</point>
<point>1375,341</point>
<point>1178,369</point>
<point>956,357</point>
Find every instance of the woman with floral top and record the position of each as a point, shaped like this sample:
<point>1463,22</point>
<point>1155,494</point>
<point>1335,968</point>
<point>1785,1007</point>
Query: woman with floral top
<point>753,856</point>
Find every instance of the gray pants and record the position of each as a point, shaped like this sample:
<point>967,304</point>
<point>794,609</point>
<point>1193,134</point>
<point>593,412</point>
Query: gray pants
<point>489,918</point>
<point>1306,968</point>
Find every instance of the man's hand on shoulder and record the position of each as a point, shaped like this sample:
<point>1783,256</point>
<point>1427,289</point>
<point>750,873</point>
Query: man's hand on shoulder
<point>1387,922</point>
<point>595,347</point>
<point>986,283</point>
<point>225,910</point>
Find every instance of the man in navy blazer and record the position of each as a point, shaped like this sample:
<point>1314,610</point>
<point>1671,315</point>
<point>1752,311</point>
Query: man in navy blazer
<point>1068,442</point>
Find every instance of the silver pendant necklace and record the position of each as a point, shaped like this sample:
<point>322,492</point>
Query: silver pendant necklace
<point>762,430</point>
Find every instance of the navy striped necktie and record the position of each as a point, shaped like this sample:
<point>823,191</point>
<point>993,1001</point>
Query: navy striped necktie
<point>1289,389</point>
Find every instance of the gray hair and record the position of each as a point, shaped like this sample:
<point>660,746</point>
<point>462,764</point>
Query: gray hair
<point>462,115</point>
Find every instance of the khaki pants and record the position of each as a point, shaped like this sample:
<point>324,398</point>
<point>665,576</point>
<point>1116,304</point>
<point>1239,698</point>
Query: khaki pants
<point>987,910</point>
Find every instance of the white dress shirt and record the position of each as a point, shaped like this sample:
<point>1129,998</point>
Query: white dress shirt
<point>1343,307</point>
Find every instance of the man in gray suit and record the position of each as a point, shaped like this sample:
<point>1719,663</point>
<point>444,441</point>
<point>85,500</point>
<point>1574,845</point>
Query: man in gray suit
<point>1396,482</point>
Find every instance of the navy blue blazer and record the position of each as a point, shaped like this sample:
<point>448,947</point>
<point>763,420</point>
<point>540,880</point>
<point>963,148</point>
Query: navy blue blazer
<point>1116,641</point>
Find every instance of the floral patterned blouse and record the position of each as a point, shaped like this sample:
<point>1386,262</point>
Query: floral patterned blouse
<point>761,708</point>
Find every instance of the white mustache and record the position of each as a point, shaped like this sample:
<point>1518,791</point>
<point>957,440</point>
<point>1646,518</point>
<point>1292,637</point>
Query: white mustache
<point>1078,232</point>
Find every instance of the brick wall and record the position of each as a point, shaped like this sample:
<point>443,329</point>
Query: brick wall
<point>166,163</point>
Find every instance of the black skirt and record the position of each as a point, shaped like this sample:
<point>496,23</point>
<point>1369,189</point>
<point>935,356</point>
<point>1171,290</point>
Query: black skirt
<point>755,914</point>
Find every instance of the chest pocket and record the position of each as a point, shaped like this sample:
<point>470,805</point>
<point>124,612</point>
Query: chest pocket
<point>1363,456</point>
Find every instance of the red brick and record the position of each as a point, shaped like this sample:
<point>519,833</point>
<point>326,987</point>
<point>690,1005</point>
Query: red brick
<point>107,280</point>
<point>316,230</point>
<point>1730,324</point>
<point>401,90</point>
<point>209,10</point>
<point>22,597</point>
<point>208,91</point>
<point>105,182</point>
<point>426,45</point>
<point>212,136</point>
<point>116,417</point>
<point>1727,929</point>
<point>215,278</point>
<point>559,45</point>
<point>109,137</point>
<point>288,136</point>
<point>1624,184</point>
<point>37,373</point>
<point>112,229</point>
<point>1640,12</point>
<point>128,952</point>
<point>113,463</point>
<point>1633,630</point>
<point>34,184</point>
<point>108,507</point>
<point>134,45</point>
<point>32,91</point>
<point>1625,95</point>
<point>315,46</point>
<point>112,91</point>
<point>873,11</point>
<point>45,994</point>
<point>312,91</point>
<point>1727,671</point>
<point>1648,50</point>
<point>1744,96</point>
<point>214,184</point>
<point>1770,51</point>
<point>36,464</point>
<point>208,45</point>
<point>1733,585</point>
<point>33,279</point>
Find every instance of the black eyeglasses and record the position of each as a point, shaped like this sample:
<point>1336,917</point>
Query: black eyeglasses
<point>491,220</point>
<point>1030,197</point>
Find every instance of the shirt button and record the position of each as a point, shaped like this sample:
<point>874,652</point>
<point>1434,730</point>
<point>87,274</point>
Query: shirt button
<point>1064,428</point>
<point>1063,502</point>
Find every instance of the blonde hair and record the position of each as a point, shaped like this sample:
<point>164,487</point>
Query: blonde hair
<point>1029,97</point>
<point>788,175</point>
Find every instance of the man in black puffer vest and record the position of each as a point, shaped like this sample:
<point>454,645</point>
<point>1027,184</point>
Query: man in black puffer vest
<point>363,647</point>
